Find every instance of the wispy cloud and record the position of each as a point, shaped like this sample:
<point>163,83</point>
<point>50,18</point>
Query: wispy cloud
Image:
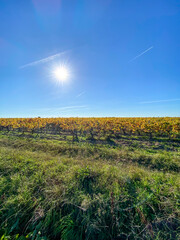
<point>159,101</point>
<point>71,107</point>
<point>61,109</point>
<point>44,60</point>
<point>80,94</point>
<point>147,50</point>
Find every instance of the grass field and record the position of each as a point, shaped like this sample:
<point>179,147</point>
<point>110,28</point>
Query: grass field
<point>125,189</point>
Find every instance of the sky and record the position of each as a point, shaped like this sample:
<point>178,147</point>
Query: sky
<point>122,58</point>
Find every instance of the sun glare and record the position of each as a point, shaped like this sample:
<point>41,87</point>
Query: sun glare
<point>61,73</point>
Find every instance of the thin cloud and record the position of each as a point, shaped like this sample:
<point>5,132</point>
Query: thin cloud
<point>74,110</point>
<point>72,107</point>
<point>44,60</point>
<point>67,111</point>
<point>147,50</point>
<point>80,94</point>
<point>67,108</point>
<point>159,101</point>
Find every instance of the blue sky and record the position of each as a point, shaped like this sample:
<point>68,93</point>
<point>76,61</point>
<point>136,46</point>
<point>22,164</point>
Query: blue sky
<point>123,58</point>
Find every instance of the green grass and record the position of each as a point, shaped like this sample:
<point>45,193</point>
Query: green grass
<point>51,189</point>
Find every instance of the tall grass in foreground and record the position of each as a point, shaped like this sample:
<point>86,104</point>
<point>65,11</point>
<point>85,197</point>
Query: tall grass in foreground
<point>51,190</point>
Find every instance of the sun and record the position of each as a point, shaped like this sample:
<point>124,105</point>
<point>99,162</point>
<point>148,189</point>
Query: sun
<point>61,73</point>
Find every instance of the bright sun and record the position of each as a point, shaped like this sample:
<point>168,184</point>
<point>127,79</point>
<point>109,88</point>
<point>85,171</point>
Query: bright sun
<point>61,73</point>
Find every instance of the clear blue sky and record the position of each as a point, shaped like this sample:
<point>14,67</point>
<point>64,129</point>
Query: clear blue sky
<point>123,57</point>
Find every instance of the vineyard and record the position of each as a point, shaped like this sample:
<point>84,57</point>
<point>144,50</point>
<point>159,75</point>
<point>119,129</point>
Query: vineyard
<point>95,128</point>
<point>89,178</point>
